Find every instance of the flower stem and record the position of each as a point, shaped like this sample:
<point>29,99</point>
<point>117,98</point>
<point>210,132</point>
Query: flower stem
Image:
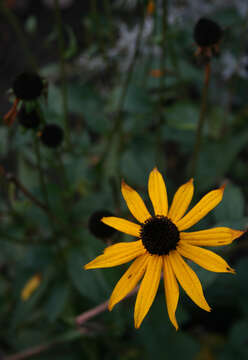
<point>42,181</point>
<point>64,90</point>
<point>117,127</point>
<point>201,121</point>
<point>161,119</point>
<point>89,314</point>
<point>12,179</point>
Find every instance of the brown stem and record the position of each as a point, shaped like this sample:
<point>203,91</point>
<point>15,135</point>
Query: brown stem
<point>25,354</point>
<point>12,179</point>
<point>89,314</point>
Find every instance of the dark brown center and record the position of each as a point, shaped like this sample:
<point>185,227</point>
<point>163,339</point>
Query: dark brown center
<point>159,235</point>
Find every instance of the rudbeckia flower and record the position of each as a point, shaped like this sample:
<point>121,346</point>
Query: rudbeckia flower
<point>161,246</point>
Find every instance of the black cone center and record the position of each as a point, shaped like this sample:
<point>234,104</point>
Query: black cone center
<point>159,235</point>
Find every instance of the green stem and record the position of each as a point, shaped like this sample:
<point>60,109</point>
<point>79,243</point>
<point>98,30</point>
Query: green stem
<point>117,127</point>
<point>42,181</point>
<point>13,21</point>
<point>201,121</point>
<point>161,86</point>
<point>64,90</point>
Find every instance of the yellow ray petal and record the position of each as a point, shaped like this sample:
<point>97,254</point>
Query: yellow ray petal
<point>202,208</point>
<point>188,280</point>
<point>157,193</point>
<point>117,254</point>
<point>205,258</point>
<point>212,237</point>
<point>134,202</point>
<point>181,201</point>
<point>129,280</point>
<point>148,289</point>
<point>30,287</point>
<point>171,291</point>
<point>123,225</point>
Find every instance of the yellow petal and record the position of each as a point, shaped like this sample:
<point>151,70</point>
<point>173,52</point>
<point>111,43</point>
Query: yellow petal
<point>117,254</point>
<point>157,192</point>
<point>188,280</point>
<point>202,208</point>
<point>148,289</point>
<point>30,287</point>
<point>205,258</point>
<point>181,201</point>
<point>135,203</point>
<point>129,280</point>
<point>171,291</point>
<point>123,225</point>
<point>212,237</point>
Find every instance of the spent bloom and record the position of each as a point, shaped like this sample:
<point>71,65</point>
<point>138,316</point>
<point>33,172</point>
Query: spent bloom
<point>161,245</point>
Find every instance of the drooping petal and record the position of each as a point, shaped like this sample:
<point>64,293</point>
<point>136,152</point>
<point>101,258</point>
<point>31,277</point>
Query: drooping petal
<point>157,193</point>
<point>122,225</point>
<point>134,202</point>
<point>148,289</point>
<point>202,208</point>
<point>117,254</point>
<point>181,201</point>
<point>171,291</point>
<point>205,258</point>
<point>188,280</point>
<point>129,280</point>
<point>212,237</point>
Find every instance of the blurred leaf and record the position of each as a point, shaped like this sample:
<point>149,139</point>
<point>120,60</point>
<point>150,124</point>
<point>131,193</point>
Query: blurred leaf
<point>84,101</point>
<point>58,297</point>
<point>232,206</point>
<point>159,337</point>
<point>182,116</point>
<point>87,282</point>
<point>216,158</point>
<point>31,24</point>
<point>72,46</point>
<point>24,311</point>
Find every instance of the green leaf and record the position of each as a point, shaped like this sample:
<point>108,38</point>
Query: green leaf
<point>216,158</point>
<point>57,300</point>
<point>87,282</point>
<point>232,207</point>
<point>72,46</point>
<point>182,116</point>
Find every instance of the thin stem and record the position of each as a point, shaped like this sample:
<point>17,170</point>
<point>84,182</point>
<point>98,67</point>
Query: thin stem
<point>35,350</point>
<point>162,84</point>
<point>41,174</point>
<point>89,314</point>
<point>42,182</point>
<point>201,121</point>
<point>117,128</point>
<point>11,178</point>
<point>13,21</point>
<point>64,90</point>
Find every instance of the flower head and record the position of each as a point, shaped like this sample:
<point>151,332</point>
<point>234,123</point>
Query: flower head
<point>162,243</point>
<point>52,135</point>
<point>207,35</point>
<point>97,227</point>
<point>28,86</point>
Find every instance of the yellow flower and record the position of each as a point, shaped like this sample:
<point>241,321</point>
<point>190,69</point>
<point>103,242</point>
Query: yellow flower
<point>161,246</point>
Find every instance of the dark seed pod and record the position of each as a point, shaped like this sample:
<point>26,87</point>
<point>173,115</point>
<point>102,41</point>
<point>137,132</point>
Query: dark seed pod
<point>28,86</point>
<point>207,32</point>
<point>97,227</point>
<point>52,135</point>
<point>29,120</point>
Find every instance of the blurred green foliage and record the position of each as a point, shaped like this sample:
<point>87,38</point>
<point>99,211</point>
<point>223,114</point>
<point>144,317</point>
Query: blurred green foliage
<point>122,129</point>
